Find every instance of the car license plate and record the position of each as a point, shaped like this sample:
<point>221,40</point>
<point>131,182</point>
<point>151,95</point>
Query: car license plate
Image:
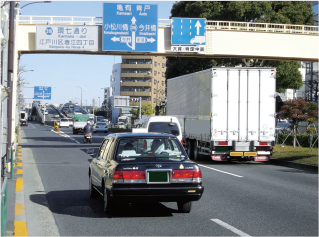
<point>158,177</point>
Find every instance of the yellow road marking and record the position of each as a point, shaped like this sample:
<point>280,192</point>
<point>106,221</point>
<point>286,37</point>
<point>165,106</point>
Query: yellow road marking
<point>19,158</point>
<point>19,209</point>
<point>20,228</point>
<point>19,140</point>
<point>19,185</point>
<point>19,171</point>
<point>19,149</point>
<point>19,164</point>
<point>19,146</point>
<point>19,154</point>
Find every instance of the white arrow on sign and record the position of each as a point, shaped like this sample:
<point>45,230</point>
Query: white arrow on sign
<point>198,25</point>
<point>115,39</point>
<point>150,40</point>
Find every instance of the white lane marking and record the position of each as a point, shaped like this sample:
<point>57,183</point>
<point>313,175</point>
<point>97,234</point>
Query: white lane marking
<point>229,227</point>
<point>222,171</point>
<point>62,134</point>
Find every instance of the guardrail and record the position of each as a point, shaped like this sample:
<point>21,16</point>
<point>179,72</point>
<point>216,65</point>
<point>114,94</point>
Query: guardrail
<point>4,207</point>
<point>210,25</point>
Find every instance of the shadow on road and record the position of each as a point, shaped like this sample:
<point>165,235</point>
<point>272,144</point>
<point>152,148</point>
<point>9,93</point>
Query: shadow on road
<point>78,203</point>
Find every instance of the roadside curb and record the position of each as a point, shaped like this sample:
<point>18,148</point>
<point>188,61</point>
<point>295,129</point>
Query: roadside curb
<point>295,165</point>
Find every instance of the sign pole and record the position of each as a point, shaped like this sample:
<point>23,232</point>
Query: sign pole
<point>139,116</point>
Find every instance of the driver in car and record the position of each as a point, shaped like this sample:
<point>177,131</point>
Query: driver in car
<point>157,146</point>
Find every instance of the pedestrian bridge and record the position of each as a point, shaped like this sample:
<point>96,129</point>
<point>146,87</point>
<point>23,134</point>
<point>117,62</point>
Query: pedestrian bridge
<point>224,39</point>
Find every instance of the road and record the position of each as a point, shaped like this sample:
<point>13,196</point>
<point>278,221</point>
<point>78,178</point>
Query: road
<point>240,199</point>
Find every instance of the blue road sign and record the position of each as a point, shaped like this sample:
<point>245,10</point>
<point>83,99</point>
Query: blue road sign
<point>188,31</point>
<point>129,27</point>
<point>42,92</point>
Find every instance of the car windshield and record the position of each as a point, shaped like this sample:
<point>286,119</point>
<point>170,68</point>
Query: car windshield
<point>149,149</point>
<point>164,127</point>
<point>101,124</point>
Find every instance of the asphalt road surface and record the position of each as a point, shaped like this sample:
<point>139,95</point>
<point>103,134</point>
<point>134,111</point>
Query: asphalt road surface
<point>240,199</point>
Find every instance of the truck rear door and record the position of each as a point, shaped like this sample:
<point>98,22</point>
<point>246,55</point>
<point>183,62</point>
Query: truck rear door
<point>219,104</point>
<point>267,85</point>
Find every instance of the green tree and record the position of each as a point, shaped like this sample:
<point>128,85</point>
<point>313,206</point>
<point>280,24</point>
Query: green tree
<point>145,110</point>
<point>285,12</point>
<point>298,111</point>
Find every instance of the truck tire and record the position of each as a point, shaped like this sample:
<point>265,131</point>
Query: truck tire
<point>195,151</point>
<point>190,149</point>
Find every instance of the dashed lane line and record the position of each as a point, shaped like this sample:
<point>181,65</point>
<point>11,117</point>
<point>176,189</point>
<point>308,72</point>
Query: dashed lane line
<point>229,227</point>
<point>222,171</point>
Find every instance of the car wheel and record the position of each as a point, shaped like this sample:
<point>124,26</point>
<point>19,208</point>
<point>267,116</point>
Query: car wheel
<point>189,149</point>
<point>184,207</point>
<point>93,192</point>
<point>107,203</point>
<point>195,151</point>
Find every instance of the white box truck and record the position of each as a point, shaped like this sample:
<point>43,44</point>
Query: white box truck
<point>226,113</point>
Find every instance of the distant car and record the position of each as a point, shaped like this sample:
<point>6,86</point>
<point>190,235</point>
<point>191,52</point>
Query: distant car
<point>56,116</point>
<point>144,167</point>
<point>64,122</point>
<point>23,123</point>
<point>100,127</point>
<point>121,125</point>
<point>283,127</point>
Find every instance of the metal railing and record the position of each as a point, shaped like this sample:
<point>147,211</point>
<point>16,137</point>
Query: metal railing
<point>210,25</point>
<point>4,207</point>
<point>262,27</point>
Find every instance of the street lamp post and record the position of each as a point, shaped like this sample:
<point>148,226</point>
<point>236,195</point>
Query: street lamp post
<point>86,105</point>
<point>93,98</point>
<point>99,102</point>
<point>81,93</point>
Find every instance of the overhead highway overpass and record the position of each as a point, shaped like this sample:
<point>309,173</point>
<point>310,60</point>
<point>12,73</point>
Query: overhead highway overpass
<point>224,39</point>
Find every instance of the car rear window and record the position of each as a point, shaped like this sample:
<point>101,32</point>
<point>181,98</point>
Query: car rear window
<point>64,120</point>
<point>149,149</point>
<point>101,124</point>
<point>164,127</point>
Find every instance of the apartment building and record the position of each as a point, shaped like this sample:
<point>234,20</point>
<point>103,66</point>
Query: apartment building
<point>144,76</point>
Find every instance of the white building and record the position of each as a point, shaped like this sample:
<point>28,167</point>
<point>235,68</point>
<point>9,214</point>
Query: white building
<point>115,89</point>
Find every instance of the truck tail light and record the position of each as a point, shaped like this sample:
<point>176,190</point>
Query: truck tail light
<point>97,126</point>
<point>182,142</point>
<point>263,143</point>
<point>128,176</point>
<point>223,143</point>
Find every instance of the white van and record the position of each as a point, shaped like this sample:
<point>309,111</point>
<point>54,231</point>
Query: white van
<point>162,124</point>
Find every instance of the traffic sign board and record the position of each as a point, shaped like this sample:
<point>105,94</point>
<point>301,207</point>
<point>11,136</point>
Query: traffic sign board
<point>129,27</point>
<point>42,92</point>
<point>188,31</point>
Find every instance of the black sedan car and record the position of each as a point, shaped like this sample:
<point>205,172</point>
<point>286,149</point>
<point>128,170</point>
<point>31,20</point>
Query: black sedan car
<point>144,167</point>
<point>23,123</point>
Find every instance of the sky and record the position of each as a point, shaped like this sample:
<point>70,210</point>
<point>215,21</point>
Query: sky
<point>64,71</point>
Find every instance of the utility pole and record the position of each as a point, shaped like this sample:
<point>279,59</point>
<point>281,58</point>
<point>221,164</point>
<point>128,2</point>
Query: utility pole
<point>10,75</point>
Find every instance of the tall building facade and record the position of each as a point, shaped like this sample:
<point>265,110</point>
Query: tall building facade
<point>115,89</point>
<point>144,76</point>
